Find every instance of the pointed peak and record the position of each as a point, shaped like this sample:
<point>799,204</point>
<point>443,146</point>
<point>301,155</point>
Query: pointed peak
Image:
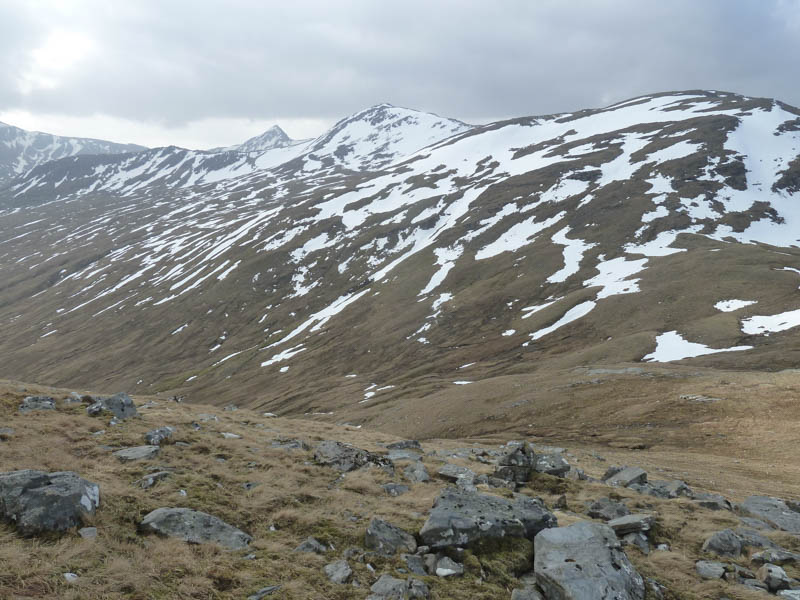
<point>274,137</point>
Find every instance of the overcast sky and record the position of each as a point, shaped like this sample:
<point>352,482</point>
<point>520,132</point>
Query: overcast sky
<point>201,73</point>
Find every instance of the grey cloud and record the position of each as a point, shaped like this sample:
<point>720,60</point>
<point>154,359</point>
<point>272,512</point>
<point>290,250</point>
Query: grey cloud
<point>180,61</point>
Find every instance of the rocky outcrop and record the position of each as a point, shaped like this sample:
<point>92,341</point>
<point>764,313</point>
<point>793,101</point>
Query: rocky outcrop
<point>156,437</point>
<point>32,403</point>
<point>120,405</point>
<point>460,517</point>
<point>38,502</point>
<point>584,562</point>
<point>774,511</point>
<point>344,457</point>
<point>194,527</point>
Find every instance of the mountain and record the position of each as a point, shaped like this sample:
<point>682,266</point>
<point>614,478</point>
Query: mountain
<point>406,266</point>
<point>274,137</point>
<point>21,150</point>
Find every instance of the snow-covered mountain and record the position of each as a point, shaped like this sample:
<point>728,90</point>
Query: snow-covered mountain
<point>22,150</point>
<point>274,137</point>
<point>402,253</point>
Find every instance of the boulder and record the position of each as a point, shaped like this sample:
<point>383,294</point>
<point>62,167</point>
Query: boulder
<point>707,569</point>
<point>38,502</point>
<point>156,437</point>
<point>774,577</point>
<point>416,473</point>
<point>194,527</point>
<point>526,594</point>
<point>789,594</point>
<point>137,453</point>
<point>338,571</point>
<point>459,517</point>
<point>344,457</point>
<point>668,489</point>
<point>391,588</point>
<point>724,543</point>
<point>772,510</point>
<point>711,501</point>
<point>404,445</point>
<point>151,479</point>
<point>414,563</point>
<point>311,544</point>
<point>453,473</point>
<point>32,403</point>
<point>584,562</point>
<point>775,556</point>
<point>395,489</point>
<point>516,463</point>
<point>627,476</point>
<point>607,509</point>
<point>631,524</point>
<point>120,405</point>
<point>403,454</point>
<point>447,567</point>
<point>6,433</point>
<point>551,464</point>
<point>386,539</point>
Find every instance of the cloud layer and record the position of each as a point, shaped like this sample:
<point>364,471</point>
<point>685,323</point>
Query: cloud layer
<point>174,63</point>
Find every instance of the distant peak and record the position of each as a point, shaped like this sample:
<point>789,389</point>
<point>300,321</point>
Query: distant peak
<point>274,137</point>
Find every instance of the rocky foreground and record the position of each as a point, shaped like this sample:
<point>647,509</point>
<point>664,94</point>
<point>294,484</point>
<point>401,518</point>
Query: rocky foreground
<point>163,500</point>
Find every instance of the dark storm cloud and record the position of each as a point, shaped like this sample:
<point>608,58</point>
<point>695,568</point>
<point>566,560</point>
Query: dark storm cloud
<point>178,61</point>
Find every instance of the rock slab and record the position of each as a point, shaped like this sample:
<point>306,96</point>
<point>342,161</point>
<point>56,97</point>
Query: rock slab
<point>194,527</point>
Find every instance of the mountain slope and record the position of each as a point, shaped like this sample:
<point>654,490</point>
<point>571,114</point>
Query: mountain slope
<point>21,150</point>
<point>381,269</point>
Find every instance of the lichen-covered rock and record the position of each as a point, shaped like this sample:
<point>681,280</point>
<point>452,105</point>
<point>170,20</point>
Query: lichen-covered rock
<point>344,457</point>
<point>774,511</point>
<point>459,517</point>
<point>32,403</point>
<point>584,562</point>
<point>120,405</point>
<point>158,436</point>
<point>38,502</point>
<point>194,527</point>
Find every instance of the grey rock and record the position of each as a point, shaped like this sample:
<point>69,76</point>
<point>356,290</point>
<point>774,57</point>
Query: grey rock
<point>774,577</point>
<point>631,524</point>
<point>458,518</point>
<point>88,533</point>
<point>403,455</point>
<point>416,473</point>
<point>137,453</point>
<point>395,489</point>
<point>194,527</point>
<point>637,539</point>
<point>707,569</point>
<point>516,463</point>
<point>290,444</point>
<point>775,556</point>
<point>404,445</point>
<point>311,544</point>
<point>584,562</point>
<point>452,473</point>
<point>656,589</point>
<point>414,563</point>
<point>71,577</point>
<point>157,436</point>
<point>576,474</point>
<point>755,523</point>
<point>611,471</point>
<point>6,433</point>
<point>120,405</point>
<point>669,489</point>
<point>724,543</point>
<point>711,501</point>
<point>755,584</point>
<point>551,464</point>
<point>772,510</point>
<point>32,403</point>
<point>789,594</point>
<point>264,592</point>
<point>386,539</point>
<point>751,538</point>
<point>38,502</point>
<point>447,567</point>
<point>627,476</point>
<point>151,479</point>
<point>338,571</point>
<point>389,587</point>
<point>344,457</point>
<point>526,594</point>
<point>607,509</point>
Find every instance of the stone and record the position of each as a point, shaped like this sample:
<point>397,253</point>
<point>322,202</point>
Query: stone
<point>772,510</point>
<point>453,473</point>
<point>774,577</point>
<point>516,463</point>
<point>711,501</point>
<point>775,556</point>
<point>551,464</point>
<point>395,489</point>
<point>344,457</point>
<point>414,563</point>
<point>230,436</point>
<point>447,567</point>
<point>32,403</point>
<point>311,544</point>
<point>137,453</point>
<point>631,524</point>
<point>120,405</point>
<point>669,489</point>
<point>157,436</point>
<point>526,594</point>
<point>194,527</point>
<point>289,444</point>
<point>416,473</point>
<point>386,539</point>
<point>6,433</point>
<point>264,592</point>
<point>724,543</point>
<point>627,476</point>
<point>754,539</point>
<point>88,533</point>
<point>71,577</point>
<point>151,479</point>
<point>637,539</point>
<point>575,562</point>
<point>404,445</point>
<point>458,518</point>
<point>391,588</point>
<point>338,571</point>
<point>607,509</point>
<point>755,523</point>
<point>789,594</point>
<point>38,502</point>
<point>403,455</point>
<point>707,569</point>
<point>576,474</point>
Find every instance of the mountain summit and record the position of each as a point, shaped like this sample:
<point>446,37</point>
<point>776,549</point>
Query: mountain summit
<point>402,260</point>
<point>274,137</point>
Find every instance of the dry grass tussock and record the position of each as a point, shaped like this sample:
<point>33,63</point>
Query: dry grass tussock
<point>280,497</point>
